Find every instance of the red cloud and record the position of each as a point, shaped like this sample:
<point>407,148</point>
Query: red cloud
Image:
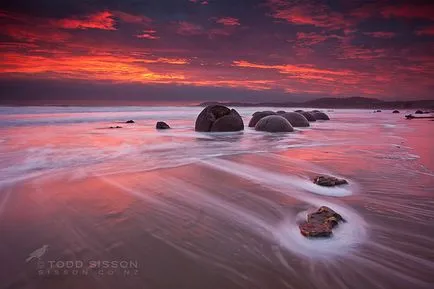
<point>409,11</point>
<point>33,34</point>
<point>307,14</point>
<point>426,31</point>
<point>187,28</point>
<point>101,20</point>
<point>381,34</point>
<point>228,21</point>
<point>148,34</point>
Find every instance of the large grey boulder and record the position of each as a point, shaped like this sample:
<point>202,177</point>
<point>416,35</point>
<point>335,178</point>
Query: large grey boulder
<point>218,118</point>
<point>274,123</point>
<point>258,115</point>
<point>320,116</point>
<point>296,119</point>
<point>308,116</point>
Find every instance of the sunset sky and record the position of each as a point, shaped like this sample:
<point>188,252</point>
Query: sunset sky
<point>188,51</point>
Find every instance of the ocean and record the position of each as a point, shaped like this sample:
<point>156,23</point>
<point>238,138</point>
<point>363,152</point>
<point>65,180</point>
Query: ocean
<point>86,206</point>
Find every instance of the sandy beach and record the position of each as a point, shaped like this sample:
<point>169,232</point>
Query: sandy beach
<point>140,208</point>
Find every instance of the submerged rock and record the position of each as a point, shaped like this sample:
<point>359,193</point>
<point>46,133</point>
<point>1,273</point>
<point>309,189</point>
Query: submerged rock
<point>321,223</point>
<point>418,112</point>
<point>328,181</point>
<point>162,125</point>
<point>308,116</point>
<point>130,121</point>
<point>280,112</point>
<point>112,127</point>
<point>274,123</point>
<point>320,115</point>
<point>218,118</point>
<point>296,119</point>
<point>258,115</point>
<point>299,110</point>
<point>395,111</point>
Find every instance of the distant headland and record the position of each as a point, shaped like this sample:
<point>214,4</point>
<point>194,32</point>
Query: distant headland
<point>334,102</point>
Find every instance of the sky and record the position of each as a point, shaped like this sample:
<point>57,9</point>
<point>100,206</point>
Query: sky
<point>189,51</point>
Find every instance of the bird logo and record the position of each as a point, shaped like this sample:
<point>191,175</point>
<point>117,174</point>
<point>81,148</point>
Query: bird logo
<point>37,254</point>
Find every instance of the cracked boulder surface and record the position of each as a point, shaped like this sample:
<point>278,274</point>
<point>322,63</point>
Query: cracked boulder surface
<point>219,118</point>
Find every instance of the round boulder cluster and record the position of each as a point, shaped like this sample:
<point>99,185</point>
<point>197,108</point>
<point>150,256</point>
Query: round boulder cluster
<point>298,118</point>
<point>274,123</point>
<point>218,118</point>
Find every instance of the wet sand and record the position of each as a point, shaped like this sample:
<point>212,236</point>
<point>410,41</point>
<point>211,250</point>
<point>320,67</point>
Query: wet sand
<point>226,214</point>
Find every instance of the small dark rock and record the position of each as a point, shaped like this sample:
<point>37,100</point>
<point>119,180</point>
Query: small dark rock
<point>320,223</point>
<point>418,112</point>
<point>395,111</point>
<point>409,116</point>
<point>328,181</point>
<point>280,112</point>
<point>130,121</point>
<point>162,125</point>
<point>112,127</point>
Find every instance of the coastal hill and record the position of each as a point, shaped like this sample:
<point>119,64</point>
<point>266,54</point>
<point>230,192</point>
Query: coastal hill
<point>333,102</point>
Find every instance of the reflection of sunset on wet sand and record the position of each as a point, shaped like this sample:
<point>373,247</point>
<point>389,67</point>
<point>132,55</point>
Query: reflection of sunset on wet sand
<point>213,210</point>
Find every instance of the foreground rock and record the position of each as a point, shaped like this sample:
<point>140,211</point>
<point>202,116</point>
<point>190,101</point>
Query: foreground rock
<point>258,115</point>
<point>320,223</point>
<point>296,119</point>
<point>162,125</point>
<point>219,118</point>
<point>320,115</point>
<point>328,181</point>
<point>395,111</point>
<point>308,116</point>
<point>274,123</point>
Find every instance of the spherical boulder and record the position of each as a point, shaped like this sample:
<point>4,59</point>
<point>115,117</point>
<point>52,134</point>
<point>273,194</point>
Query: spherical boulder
<point>162,125</point>
<point>308,116</point>
<point>258,115</point>
<point>320,116</point>
<point>274,123</point>
<point>296,119</point>
<point>218,118</point>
